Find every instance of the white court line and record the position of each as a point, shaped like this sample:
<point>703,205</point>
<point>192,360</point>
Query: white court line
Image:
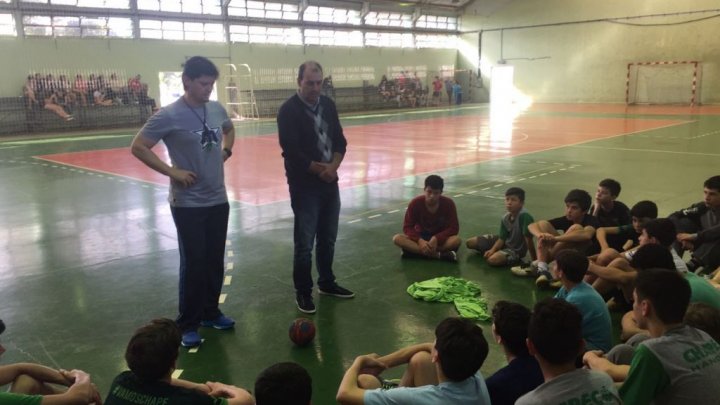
<point>229,266</point>
<point>393,211</point>
<point>647,150</point>
<point>222,298</point>
<point>230,253</point>
<point>354,220</point>
<point>457,195</point>
<point>374,216</point>
<point>177,373</point>
<point>196,348</point>
<point>228,280</point>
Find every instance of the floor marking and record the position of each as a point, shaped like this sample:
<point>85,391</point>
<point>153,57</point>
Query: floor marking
<point>227,243</point>
<point>554,171</point>
<point>498,185</point>
<point>486,188</point>
<point>228,280</point>
<point>374,216</point>
<point>145,186</point>
<point>542,174</point>
<point>393,211</point>
<point>229,266</point>
<point>222,298</point>
<point>457,195</point>
<point>177,373</point>
<point>196,348</point>
<point>354,220</point>
<point>472,192</point>
<point>646,150</point>
<point>230,253</point>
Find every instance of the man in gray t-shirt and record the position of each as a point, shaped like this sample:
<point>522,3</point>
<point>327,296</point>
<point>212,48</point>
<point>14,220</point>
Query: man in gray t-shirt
<point>555,339</point>
<point>199,138</point>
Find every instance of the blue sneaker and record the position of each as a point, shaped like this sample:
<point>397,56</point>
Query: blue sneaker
<point>191,339</point>
<point>222,322</point>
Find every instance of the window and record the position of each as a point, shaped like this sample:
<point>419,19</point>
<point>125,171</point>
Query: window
<point>178,30</point>
<point>121,4</point>
<point>7,25</point>
<point>389,19</point>
<point>332,15</point>
<point>437,22</point>
<point>211,7</point>
<point>263,9</point>
<point>333,38</point>
<point>353,73</point>
<point>70,26</point>
<point>389,39</point>
<point>275,35</point>
<point>436,41</point>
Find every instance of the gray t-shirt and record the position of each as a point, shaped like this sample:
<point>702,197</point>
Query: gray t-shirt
<point>581,386</point>
<point>193,147</point>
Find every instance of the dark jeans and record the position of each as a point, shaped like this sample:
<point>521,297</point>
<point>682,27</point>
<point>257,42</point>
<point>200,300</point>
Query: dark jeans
<point>317,210</point>
<point>201,240</point>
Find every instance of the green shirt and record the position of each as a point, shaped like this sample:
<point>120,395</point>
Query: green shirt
<point>8,398</point>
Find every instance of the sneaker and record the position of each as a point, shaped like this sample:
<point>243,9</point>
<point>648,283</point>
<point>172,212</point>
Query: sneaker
<point>305,303</point>
<point>543,280</point>
<point>191,339</point>
<point>449,256</point>
<point>69,118</point>
<point>222,322</point>
<point>337,291</point>
<point>525,270</point>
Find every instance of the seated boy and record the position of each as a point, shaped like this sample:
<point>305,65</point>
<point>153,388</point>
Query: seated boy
<point>283,384</point>
<point>570,269</point>
<point>608,210</point>
<point>522,374</point>
<point>678,363</point>
<point>431,224</point>
<point>699,228</point>
<point>641,213</point>
<point>514,240</point>
<point>555,339</point>
<point>578,227</point>
<point>443,372</point>
<point>33,384</point>
<point>151,356</point>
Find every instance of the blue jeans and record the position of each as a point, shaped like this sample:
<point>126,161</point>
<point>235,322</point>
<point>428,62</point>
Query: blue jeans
<point>201,240</point>
<point>317,211</point>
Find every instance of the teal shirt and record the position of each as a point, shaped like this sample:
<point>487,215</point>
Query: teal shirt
<point>596,326</point>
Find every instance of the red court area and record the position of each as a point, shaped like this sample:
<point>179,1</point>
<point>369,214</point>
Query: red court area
<point>384,151</point>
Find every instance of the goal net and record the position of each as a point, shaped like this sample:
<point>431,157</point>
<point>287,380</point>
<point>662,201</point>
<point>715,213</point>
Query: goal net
<point>663,83</point>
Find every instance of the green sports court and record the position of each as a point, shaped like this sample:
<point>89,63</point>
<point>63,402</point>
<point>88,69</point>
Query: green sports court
<point>88,248</point>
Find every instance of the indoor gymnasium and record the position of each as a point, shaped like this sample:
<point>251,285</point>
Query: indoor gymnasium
<point>545,96</point>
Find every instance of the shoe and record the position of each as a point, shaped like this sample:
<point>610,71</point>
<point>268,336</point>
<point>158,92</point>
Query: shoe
<point>191,339</point>
<point>222,322</point>
<point>543,280</point>
<point>69,118</point>
<point>525,270</point>
<point>305,303</point>
<point>337,291</point>
<point>449,256</point>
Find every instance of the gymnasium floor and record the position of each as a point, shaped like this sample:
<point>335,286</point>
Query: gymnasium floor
<point>88,249</point>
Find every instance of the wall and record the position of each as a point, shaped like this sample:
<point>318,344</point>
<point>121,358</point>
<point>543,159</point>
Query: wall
<point>587,62</point>
<point>148,57</point>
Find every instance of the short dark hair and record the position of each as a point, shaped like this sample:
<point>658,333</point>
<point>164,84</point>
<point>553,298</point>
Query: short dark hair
<point>644,209</point>
<point>511,322</point>
<point>667,290</point>
<point>305,65</point>
<point>612,185</point>
<point>199,66</point>
<point>702,316</point>
<point>461,347</point>
<point>713,183</point>
<point>573,264</point>
<point>580,197</point>
<point>153,349</point>
<point>653,256</point>
<point>556,331</point>
<point>435,182</point>
<point>661,229</point>
<point>516,191</point>
<point>283,384</point>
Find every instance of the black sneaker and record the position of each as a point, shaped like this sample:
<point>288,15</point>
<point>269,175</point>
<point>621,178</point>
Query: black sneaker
<point>337,291</point>
<point>305,303</point>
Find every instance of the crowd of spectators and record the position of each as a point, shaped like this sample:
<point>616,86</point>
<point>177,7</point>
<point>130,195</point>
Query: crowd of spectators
<point>62,96</point>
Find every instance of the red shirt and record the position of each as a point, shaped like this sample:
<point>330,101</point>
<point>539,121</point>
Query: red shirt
<point>441,224</point>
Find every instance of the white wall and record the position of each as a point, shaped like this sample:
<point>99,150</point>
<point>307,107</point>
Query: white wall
<point>588,61</point>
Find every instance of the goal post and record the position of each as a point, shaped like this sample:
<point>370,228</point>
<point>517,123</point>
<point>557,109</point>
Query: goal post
<point>666,82</point>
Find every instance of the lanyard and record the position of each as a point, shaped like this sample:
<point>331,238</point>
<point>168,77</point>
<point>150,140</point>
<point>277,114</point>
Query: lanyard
<point>203,119</point>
